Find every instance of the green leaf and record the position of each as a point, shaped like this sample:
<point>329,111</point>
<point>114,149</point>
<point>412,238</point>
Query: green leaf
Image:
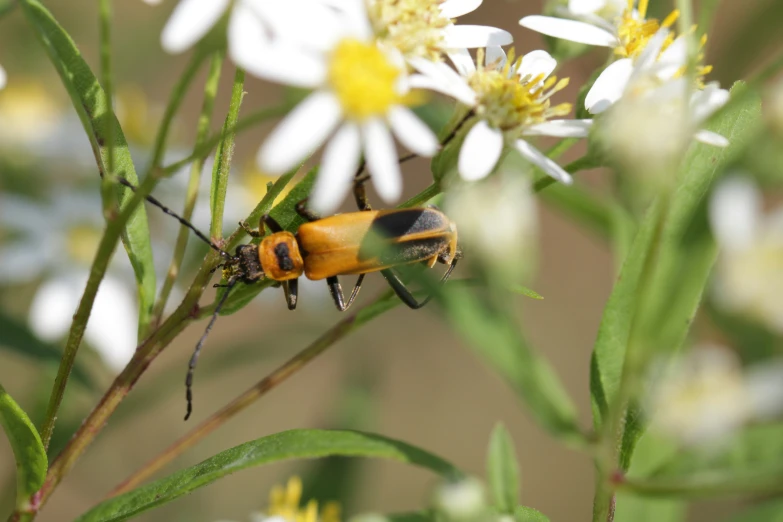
<point>528,514</point>
<point>30,455</point>
<point>770,511</point>
<point>17,337</point>
<point>294,444</point>
<point>92,106</point>
<point>519,289</point>
<point>686,250</point>
<point>503,470</point>
<point>490,329</point>
<point>285,211</point>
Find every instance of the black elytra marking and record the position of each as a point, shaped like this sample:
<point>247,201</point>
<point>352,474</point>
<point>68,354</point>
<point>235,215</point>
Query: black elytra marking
<point>283,255</point>
<point>411,221</point>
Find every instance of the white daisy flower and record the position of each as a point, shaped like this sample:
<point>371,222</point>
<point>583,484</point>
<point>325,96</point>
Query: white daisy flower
<point>510,99</point>
<point>360,94</point>
<point>425,28</point>
<point>251,22</point>
<point>57,242</point>
<point>706,395</point>
<point>749,273</point>
<point>627,32</point>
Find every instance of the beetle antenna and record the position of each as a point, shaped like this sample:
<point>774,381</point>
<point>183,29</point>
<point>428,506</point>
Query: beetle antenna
<point>194,358</point>
<point>176,216</point>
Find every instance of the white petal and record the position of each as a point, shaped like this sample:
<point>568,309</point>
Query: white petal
<point>474,36</point>
<point>609,86</point>
<point>462,61</point>
<point>583,7</point>
<point>711,138</point>
<point>439,77</point>
<point>495,55</point>
<point>302,131</point>
<point>561,128</point>
<point>338,166</point>
<point>23,261</point>
<point>673,59</point>
<point>307,24</point>
<point>480,151</point>
<point>358,20</point>
<point>112,325</point>
<point>735,212</point>
<point>412,132</point>
<point>457,8</point>
<point>277,62</point>
<point>3,77</point>
<point>246,36</point>
<point>382,160</point>
<point>536,63</point>
<point>572,30</point>
<point>534,156</point>
<point>190,21</point>
<point>705,102</point>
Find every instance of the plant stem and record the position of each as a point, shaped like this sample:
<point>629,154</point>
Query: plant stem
<point>98,269</point>
<point>709,485</point>
<point>224,156</point>
<point>108,88</point>
<point>241,125</point>
<point>422,197</point>
<point>175,101</point>
<point>210,92</point>
<point>328,339</point>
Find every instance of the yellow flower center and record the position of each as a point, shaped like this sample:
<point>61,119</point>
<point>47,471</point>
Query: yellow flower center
<point>363,79</point>
<point>509,102</point>
<point>415,27</point>
<point>634,30</point>
<point>82,242</point>
<point>285,503</point>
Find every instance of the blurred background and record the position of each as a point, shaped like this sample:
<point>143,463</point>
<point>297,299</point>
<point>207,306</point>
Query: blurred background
<point>406,375</point>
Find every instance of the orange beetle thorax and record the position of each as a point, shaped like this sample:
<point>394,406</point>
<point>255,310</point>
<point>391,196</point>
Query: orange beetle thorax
<point>280,257</point>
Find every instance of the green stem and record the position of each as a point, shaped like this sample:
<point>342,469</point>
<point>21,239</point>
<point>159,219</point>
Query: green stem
<point>245,123</point>
<point>224,156</point>
<point>210,93</point>
<point>98,269</point>
<point>719,484</point>
<point>108,88</point>
<point>175,101</point>
<point>347,325</point>
<point>424,196</point>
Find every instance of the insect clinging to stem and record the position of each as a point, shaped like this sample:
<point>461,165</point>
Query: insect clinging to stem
<point>353,243</point>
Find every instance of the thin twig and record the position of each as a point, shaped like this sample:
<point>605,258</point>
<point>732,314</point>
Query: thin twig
<point>278,376</point>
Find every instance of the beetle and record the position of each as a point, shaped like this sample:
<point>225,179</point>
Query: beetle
<point>353,243</point>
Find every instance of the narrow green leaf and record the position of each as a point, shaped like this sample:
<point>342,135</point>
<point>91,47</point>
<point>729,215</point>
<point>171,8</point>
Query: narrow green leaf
<point>528,514</point>
<point>519,289</point>
<point>92,106</point>
<point>294,444</point>
<point>686,248</point>
<point>30,455</point>
<point>489,328</point>
<point>18,338</point>
<point>503,470</point>
<point>770,511</point>
<point>223,157</point>
<point>285,211</point>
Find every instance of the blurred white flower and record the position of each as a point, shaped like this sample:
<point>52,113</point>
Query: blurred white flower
<point>498,224</point>
<point>425,28</point>
<point>705,395</point>
<point>361,93</point>
<point>510,99</point>
<point>749,273</point>
<point>253,25</point>
<point>3,77</point>
<point>56,242</point>
<point>604,24</point>
<point>461,499</point>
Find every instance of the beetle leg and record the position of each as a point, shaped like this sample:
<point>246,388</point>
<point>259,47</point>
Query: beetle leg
<point>337,292</point>
<point>360,193</point>
<point>250,232</point>
<point>402,291</point>
<point>291,289</point>
<point>302,210</point>
<point>269,221</point>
